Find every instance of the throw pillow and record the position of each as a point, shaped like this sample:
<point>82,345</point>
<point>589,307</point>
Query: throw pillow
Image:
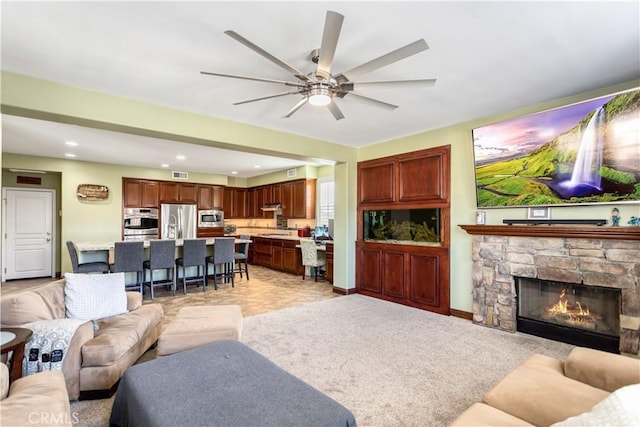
<point>619,409</point>
<point>94,296</point>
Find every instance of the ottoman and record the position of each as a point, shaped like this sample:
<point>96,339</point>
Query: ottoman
<point>196,326</point>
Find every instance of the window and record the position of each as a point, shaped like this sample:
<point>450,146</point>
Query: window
<point>326,203</point>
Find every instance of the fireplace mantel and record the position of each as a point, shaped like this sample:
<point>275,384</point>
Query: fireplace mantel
<point>578,232</point>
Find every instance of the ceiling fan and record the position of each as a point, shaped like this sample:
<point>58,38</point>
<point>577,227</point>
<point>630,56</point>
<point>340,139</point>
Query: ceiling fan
<point>321,87</point>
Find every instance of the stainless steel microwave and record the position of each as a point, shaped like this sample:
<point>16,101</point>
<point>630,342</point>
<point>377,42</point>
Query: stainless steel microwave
<point>210,218</point>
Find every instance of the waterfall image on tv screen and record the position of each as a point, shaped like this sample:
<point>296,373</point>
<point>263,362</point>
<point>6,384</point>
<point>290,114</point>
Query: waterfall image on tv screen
<point>582,153</point>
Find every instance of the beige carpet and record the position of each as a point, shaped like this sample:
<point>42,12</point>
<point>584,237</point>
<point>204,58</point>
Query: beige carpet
<point>391,365</point>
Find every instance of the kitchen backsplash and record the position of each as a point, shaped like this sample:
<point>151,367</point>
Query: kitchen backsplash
<point>284,224</point>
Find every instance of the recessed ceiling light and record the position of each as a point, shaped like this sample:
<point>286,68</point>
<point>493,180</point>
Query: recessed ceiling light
<point>180,157</point>
<point>70,155</point>
<point>257,166</point>
<point>164,165</point>
<point>71,143</point>
<point>234,172</point>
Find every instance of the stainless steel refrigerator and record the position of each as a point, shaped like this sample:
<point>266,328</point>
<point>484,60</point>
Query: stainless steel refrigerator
<point>178,221</point>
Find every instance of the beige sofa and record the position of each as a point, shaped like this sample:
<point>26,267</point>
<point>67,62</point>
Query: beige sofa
<point>543,391</point>
<point>96,359</point>
<point>39,399</point>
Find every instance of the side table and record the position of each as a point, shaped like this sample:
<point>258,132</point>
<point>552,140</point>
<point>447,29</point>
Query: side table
<point>14,339</point>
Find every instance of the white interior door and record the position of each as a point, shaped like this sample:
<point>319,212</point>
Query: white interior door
<point>28,233</point>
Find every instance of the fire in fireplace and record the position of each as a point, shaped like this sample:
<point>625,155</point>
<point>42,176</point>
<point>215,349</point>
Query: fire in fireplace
<point>576,314</point>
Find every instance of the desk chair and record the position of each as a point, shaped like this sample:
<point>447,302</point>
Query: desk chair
<point>223,254</point>
<point>311,257</point>
<point>129,258</point>
<point>194,254</point>
<point>241,257</point>
<point>85,267</point>
<point>162,255</point>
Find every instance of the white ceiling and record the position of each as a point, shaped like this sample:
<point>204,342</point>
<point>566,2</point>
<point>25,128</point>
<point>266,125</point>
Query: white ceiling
<point>488,58</point>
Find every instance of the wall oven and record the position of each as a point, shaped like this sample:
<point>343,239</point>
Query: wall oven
<point>140,224</point>
<point>210,218</point>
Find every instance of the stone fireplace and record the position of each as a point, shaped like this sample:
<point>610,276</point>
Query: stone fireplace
<point>591,256</point>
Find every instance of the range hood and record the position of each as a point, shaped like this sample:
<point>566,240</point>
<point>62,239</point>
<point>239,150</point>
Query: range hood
<point>271,207</point>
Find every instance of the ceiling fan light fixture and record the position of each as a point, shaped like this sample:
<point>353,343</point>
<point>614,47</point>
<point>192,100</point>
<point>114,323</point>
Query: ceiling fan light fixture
<point>319,96</point>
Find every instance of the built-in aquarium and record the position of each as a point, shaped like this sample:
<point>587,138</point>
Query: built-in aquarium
<point>410,225</point>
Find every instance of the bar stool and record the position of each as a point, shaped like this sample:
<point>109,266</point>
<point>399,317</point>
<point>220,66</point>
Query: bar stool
<point>162,255</point>
<point>85,267</point>
<point>129,258</point>
<point>223,254</point>
<point>194,253</point>
<point>242,256</point>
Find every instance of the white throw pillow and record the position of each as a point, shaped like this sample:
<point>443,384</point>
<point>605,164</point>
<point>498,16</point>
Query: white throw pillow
<point>94,296</point>
<point>620,408</point>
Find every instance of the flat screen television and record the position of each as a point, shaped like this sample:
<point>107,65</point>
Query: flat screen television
<point>583,153</point>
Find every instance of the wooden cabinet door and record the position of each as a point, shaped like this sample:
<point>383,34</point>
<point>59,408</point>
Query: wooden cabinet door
<point>205,197</point>
<point>276,256</point>
<point>131,193</point>
<point>240,203</point>
<point>393,277</point>
<point>169,192</point>
<point>188,193</point>
<point>218,196</point>
<point>229,203</point>
<point>286,192</point>
<point>424,279</point>
<point>149,194</point>
<point>299,199</point>
<point>252,201</point>
<point>423,178</point>
<point>368,272</point>
<point>276,193</point>
<point>376,182</point>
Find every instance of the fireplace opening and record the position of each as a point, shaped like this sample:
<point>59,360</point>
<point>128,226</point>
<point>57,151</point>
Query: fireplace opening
<point>587,316</point>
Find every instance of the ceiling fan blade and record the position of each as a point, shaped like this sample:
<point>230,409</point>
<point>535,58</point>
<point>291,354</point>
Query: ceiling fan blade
<point>417,82</point>
<point>384,60</point>
<point>337,114</point>
<point>257,79</point>
<point>296,108</point>
<point>264,97</point>
<point>375,102</point>
<point>299,74</point>
<point>332,27</point>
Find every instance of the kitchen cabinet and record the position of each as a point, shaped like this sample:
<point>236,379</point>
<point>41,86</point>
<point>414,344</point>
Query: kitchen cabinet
<point>417,276</point>
<point>203,232</point>
<point>139,193</point>
<point>299,199</point>
<point>210,196</point>
<point>291,257</point>
<point>262,251</point>
<point>276,254</point>
<point>178,192</point>
<point>329,262</point>
<point>235,203</point>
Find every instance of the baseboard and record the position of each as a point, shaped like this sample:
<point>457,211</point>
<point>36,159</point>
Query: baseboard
<point>461,314</point>
<point>343,291</point>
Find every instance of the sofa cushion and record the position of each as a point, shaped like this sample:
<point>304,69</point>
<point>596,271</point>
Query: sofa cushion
<point>4,381</point>
<point>39,399</point>
<point>94,296</point>
<point>117,335</point>
<point>600,369</point>
<point>481,415</point>
<point>43,303</point>
<point>539,393</point>
<point>621,408</point>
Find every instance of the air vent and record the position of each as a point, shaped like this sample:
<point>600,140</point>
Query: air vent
<point>292,173</point>
<point>179,175</point>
